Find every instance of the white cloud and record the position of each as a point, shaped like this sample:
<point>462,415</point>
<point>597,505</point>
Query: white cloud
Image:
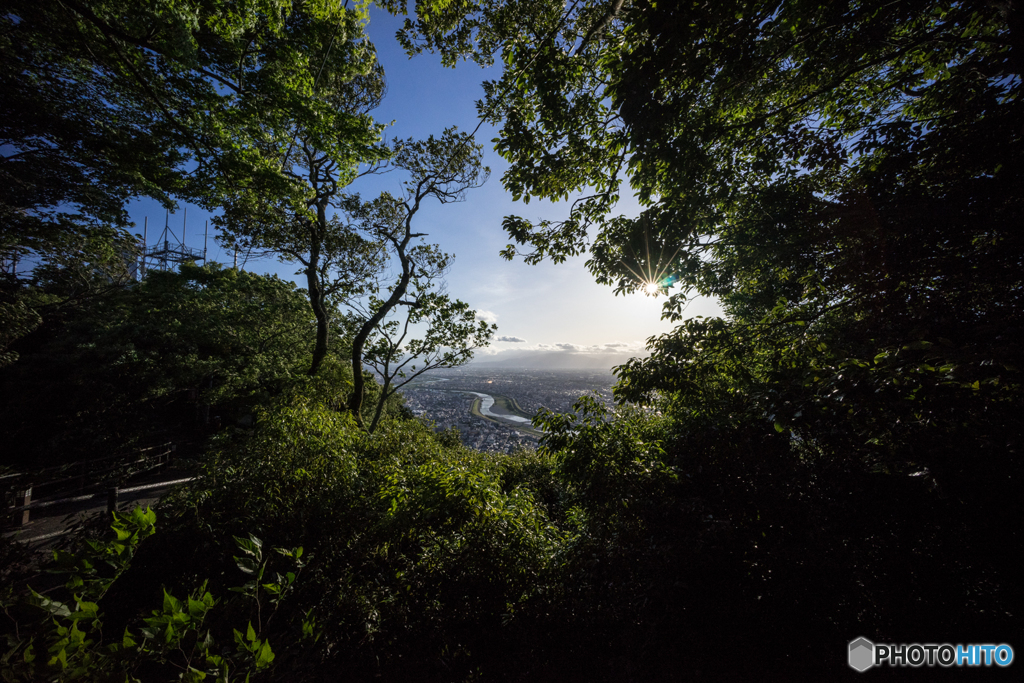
<point>634,347</point>
<point>563,355</point>
<point>611,347</point>
<point>622,347</point>
<point>487,316</point>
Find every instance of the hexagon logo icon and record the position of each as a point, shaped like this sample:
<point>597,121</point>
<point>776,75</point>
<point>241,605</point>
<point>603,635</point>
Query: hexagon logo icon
<point>862,654</point>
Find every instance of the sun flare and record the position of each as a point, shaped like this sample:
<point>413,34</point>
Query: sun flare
<point>653,272</point>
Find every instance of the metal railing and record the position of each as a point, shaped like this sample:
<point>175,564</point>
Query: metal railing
<point>79,477</point>
<point>112,495</point>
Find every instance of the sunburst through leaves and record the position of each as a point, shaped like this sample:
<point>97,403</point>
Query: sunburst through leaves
<point>649,268</point>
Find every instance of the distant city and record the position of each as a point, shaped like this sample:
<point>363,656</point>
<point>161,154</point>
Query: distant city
<point>487,404</point>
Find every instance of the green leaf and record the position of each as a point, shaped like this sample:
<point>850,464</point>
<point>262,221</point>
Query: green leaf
<point>171,603</point>
<point>247,564</point>
<point>264,656</point>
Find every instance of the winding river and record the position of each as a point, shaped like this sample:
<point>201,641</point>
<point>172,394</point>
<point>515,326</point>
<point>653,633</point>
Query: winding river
<point>487,402</point>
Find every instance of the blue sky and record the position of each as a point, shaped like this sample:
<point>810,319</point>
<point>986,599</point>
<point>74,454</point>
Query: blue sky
<point>552,308</point>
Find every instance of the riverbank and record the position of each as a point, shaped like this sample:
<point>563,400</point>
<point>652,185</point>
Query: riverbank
<point>502,410</point>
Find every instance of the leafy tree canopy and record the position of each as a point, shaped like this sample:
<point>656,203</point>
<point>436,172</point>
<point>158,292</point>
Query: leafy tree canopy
<point>301,227</point>
<point>844,177</point>
<point>105,100</point>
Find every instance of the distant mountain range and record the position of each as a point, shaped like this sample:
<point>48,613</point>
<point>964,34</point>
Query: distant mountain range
<point>555,360</point>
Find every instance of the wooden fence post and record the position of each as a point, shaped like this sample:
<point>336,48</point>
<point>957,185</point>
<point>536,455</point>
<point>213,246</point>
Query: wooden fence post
<point>23,497</point>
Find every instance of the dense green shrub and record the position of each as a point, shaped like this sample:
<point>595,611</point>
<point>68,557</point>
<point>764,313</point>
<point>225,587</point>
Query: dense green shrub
<point>168,353</point>
<point>415,547</point>
<point>626,534</point>
<point>60,634</point>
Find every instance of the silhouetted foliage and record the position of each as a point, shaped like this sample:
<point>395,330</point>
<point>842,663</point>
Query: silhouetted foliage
<point>169,352</point>
<point>839,455</point>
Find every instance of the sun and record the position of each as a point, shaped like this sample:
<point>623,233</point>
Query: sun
<point>652,272</point>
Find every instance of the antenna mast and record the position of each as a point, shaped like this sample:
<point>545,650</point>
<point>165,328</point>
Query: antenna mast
<point>169,250</point>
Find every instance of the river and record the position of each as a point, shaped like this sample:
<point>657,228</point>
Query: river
<point>487,402</point>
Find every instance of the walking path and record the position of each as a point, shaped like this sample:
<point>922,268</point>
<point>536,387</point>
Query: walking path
<point>49,523</point>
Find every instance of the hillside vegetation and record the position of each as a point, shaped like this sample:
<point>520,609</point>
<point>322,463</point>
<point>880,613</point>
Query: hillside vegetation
<point>839,455</point>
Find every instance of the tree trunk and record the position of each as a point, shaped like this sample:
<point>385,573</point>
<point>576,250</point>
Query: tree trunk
<point>380,405</point>
<point>358,383</point>
<point>408,268</point>
<point>322,325</point>
<point>316,301</point>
